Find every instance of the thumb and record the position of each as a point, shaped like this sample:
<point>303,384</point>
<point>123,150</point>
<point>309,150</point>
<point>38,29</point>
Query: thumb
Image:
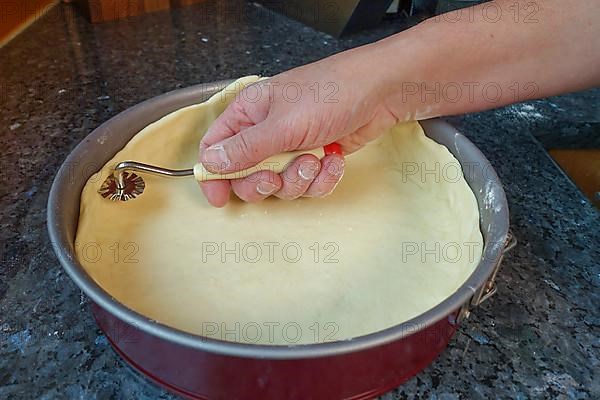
<point>244,149</point>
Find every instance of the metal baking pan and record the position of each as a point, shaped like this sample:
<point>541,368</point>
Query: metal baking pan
<point>197,367</point>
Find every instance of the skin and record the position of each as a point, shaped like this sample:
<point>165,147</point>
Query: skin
<point>471,60</point>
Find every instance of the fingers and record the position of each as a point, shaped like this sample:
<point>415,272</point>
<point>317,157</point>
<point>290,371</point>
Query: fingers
<point>297,178</point>
<point>332,170</point>
<point>244,149</point>
<point>216,192</point>
<point>306,176</point>
<point>238,116</point>
<point>241,137</point>
<point>257,186</point>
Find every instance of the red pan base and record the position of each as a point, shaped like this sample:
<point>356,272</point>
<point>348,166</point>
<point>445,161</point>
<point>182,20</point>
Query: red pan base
<point>197,374</point>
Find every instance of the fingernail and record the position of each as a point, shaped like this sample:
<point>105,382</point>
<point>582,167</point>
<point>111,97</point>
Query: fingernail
<point>308,169</point>
<point>216,157</point>
<point>266,188</point>
<point>336,166</point>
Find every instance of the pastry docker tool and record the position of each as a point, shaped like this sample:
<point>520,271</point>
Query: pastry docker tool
<point>125,183</point>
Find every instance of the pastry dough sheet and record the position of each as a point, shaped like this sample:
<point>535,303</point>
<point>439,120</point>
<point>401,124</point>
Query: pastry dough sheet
<point>399,235</point>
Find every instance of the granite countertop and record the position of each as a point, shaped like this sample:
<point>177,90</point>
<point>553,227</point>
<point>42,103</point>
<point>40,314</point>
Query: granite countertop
<point>537,338</point>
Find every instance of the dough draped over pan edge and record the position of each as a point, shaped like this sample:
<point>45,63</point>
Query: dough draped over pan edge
<point>399,235</point>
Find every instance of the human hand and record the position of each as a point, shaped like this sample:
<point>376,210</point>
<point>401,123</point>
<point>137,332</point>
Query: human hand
<point>304,108</point>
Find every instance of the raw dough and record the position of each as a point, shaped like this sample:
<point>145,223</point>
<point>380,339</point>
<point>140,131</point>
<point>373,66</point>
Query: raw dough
<point>383,248</point>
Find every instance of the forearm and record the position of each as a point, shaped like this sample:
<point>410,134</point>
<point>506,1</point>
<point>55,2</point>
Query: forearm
<point>488,56</point>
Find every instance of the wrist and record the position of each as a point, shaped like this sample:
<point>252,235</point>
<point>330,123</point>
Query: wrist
<point>403,68</point>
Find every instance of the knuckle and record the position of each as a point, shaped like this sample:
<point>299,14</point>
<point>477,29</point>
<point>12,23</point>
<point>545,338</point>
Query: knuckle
<point>243,148</point>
